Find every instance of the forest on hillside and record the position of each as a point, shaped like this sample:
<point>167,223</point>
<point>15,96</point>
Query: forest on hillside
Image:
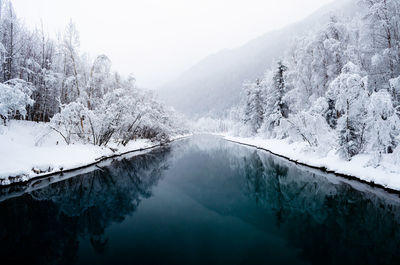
<point>337,88</point>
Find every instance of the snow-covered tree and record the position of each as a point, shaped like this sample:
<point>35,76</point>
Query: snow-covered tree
<point>276,107</point>
<point>280,89</point>
<point>14,98</point>
<point>310,126</point>
<point>99,82</point>
<point>71,85</point>
<point>349,90</point>
<point>69,123</point>
<point>254,109</point>
<point>395,92</point>
<point>382,38</point>
<point>383,125</point>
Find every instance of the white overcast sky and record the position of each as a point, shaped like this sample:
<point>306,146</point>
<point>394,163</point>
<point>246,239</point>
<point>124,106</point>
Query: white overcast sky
<point>159,39</point>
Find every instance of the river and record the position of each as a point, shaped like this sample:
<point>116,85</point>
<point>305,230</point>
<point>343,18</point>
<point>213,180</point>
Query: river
<point>201,200</point>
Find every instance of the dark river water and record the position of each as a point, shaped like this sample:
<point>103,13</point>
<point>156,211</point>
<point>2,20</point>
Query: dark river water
<point>201,200</point>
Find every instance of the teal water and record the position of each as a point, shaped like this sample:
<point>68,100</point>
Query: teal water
<point>201,201</point>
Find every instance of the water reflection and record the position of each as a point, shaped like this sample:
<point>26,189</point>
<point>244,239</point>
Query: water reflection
<point>330,224</point>
<point>202,201</point>
<point>43,227</point>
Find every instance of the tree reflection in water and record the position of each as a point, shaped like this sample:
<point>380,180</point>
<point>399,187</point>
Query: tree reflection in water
<point>43,227</point>
<point>330,223</point>
<point>216,197</point>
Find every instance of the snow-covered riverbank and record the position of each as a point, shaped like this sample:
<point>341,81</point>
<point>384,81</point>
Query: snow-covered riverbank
<point>386,175</point>
<point>29,150</point>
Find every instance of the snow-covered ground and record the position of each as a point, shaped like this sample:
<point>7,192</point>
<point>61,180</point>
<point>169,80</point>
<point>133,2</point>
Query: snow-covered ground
<point>387,174</point>
<point>29,150</point>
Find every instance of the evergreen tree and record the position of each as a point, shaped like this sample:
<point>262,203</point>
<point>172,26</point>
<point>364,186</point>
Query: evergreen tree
<point>254,110</point>
<point>279,84</point>
<point>276,107</point>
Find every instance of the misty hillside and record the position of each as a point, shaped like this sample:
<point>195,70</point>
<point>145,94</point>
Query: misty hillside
<point>214,84</point>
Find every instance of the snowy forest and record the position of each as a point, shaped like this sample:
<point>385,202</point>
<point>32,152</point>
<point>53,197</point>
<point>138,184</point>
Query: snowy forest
<point>79,96</point>
<point>337,88</point>
<point>200,132</point>
<point>334,94</point>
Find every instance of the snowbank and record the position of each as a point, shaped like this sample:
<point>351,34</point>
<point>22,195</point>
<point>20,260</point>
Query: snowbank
<point>386,175</point>
<point>29,150</point>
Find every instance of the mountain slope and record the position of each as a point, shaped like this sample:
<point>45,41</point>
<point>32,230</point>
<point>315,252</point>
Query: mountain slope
<point>214,84</point>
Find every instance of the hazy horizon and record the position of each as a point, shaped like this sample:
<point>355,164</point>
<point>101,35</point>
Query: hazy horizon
<point>159,46</point>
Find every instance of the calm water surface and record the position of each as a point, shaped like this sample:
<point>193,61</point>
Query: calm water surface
<point>200,201</point>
